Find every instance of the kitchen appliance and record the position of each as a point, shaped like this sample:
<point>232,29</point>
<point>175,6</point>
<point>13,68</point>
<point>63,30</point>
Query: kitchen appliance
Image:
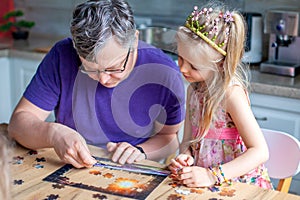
<point>284,55</point>
<point>159,36</point>
<point>253,50</point>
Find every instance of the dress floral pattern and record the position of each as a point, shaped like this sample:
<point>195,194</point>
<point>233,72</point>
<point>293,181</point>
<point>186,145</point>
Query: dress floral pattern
<point>222,142</point>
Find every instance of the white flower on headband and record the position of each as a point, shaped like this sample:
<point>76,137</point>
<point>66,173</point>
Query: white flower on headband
<point>228,17</point>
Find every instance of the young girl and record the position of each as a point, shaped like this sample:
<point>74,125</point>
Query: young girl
<point>222,141</point>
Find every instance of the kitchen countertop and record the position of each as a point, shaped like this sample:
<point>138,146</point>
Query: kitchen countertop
<point>36,47</point>
<point>276,85</point>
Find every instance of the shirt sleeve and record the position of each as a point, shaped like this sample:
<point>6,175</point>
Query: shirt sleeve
<point>43,90</point>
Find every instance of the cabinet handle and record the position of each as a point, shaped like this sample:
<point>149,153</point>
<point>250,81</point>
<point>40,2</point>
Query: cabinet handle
<point>261,118</point>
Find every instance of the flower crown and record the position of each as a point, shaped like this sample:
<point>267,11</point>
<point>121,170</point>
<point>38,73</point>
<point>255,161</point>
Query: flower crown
<point>193,24</point>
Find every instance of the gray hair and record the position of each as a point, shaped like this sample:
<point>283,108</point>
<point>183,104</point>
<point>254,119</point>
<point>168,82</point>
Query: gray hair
<point>95,22</point>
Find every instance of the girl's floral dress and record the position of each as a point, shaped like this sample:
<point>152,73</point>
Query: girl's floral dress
<point>222,143</point>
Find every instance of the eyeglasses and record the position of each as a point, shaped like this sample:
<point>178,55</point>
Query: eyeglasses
<point>106,71</point>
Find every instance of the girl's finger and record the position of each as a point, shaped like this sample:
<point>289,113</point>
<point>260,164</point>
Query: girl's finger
<point>175,163</point>
<point>190,161</point>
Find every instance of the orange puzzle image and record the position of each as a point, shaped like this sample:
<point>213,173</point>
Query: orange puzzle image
<point>111,178</point>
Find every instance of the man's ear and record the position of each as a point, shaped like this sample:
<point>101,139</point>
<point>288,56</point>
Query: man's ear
<point>137,33</point>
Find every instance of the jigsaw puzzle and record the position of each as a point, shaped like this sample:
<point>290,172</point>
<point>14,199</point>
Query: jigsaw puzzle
<point>111,178</point>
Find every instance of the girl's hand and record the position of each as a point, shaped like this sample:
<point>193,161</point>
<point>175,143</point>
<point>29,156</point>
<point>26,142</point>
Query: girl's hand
<point>196,177</point>
<point>179,162</point>
<point>124,152</point>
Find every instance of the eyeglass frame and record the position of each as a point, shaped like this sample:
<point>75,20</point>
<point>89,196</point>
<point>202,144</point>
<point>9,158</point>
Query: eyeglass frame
<point>107,71</point>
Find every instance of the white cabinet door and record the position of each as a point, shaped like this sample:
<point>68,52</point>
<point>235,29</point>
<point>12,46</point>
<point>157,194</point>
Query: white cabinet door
<point>5,95</point>
<point>279,113</point>
<point>22,71</point>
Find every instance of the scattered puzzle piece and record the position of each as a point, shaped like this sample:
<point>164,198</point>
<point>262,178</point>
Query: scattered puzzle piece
<point>99,196</point>
<point>58,186</point>
<point>214,189</point>
<point>18,182</point>
<point>175,197</point>
<point>198,191</point>
<point>174,184</point>
<point>38,166</point>
<point>184,192</point>
<point>17,160</point>
<point>42,159</point>
<point>32,152</point>
<point>227,192</point>
<point>52,197</point>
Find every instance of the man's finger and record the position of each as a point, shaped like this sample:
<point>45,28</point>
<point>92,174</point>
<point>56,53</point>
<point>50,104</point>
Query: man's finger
<point>85,157</point>
<point>111,146</point>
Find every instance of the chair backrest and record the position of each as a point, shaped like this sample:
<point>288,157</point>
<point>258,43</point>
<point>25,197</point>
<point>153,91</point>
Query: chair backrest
<point>284,159</point>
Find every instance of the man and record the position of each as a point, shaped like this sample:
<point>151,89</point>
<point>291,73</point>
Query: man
<point>106,89</point>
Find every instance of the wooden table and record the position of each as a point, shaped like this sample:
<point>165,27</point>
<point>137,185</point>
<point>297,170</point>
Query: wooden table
<point>29,168</point>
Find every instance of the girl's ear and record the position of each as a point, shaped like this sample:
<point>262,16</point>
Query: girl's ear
<point>221,65</point>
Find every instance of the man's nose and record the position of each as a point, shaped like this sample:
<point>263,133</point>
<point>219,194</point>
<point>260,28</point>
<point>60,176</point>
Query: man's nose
<point>103,78</point>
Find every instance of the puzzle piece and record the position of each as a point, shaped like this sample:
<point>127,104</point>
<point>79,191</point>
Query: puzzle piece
<point>174,184</point>
<point>38,166</point>
<point>184,192</point>
<point>42,159</point>
<point>99,196</point>
<point>175,197</point>
<point>108,175</point>
<point>198,191</point>
<point>94,172</point>
<point>227,192</point>
<point>52,197</point>
<point>17,160</point>
<point>32,152</point>
<point>214,189</point>
<point>18,182</point>
<point>58,186</point>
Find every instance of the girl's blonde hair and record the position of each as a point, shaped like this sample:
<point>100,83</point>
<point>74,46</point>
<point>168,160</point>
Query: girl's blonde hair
<point>5,147</point>
<point>226,68</point>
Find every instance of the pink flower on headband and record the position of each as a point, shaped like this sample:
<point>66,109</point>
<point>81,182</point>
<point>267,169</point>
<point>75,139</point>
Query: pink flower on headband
<point>228,17</point>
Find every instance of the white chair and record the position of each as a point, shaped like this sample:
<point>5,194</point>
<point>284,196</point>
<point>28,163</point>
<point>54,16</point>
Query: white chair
<point>284,159</point>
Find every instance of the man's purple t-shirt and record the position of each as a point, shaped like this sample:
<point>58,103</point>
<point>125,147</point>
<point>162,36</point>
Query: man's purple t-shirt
<point>152,92</point>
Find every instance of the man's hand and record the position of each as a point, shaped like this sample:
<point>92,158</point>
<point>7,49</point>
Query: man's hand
<point>124,152</point>
<point>71,148</point>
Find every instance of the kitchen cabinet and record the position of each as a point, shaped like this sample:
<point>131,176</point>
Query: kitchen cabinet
<point>5,95</point>
<point>16,73</point>
<point>278,113</point>
<point>22,71</point>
